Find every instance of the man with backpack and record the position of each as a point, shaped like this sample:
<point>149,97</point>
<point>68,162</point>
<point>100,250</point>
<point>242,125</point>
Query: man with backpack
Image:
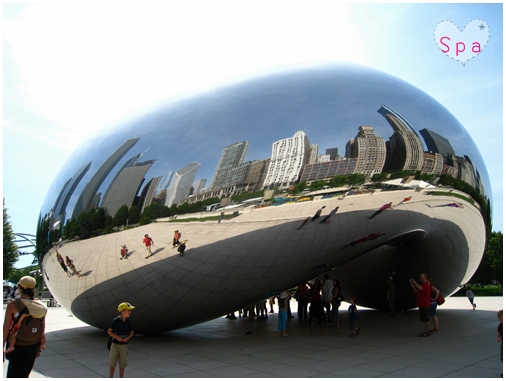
<point>30,332</point>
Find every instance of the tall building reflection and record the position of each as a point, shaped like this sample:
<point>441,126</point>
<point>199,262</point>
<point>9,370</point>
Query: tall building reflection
<point>88,194</point>
<point>404,149</point>
<point>126,185</point>
<point>67,191</point>
<point>231,157</point>
<point>180,184</point>
<point>288,158</point>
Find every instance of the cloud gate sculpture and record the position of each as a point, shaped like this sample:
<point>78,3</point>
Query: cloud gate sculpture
<point>410,188</point>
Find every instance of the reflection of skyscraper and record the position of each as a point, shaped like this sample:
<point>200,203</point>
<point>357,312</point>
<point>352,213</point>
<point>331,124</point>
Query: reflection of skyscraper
<point>288,158</point>
<point>404,149</point>
<point>199,185</point>
<point>66,192</point>
<point>369,149</point>
<point>90,190</point>
<point>313,154</point>
<point>181,183</point>
<point>166,181</point>
<point>437,143</point>
<point>256,175</point>
<point>232,156</point>
<point>432,163</point>
<point>125,186</point>
<point>148,193</point>
<point>332,152</point>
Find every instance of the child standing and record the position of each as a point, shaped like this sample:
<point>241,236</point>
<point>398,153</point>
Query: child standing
<point>182,248</point>
<point>121,330</point>
<point>353,316</point>
<point>499,331</point>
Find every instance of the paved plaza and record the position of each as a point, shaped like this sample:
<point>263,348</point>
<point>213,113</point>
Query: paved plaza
<point>386,347</point>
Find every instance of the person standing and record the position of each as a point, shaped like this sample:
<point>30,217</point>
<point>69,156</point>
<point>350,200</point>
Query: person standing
<point>336,303</point>
<point>353,316</point>
<point>121,330</point>
<point>327,288</point>
<point>283,300</point>
<point>148,242</point>
<point>434,293</point>
<point>332,212</point>
<point>181,249</point>
<point>222,214</point>
<point>470,296</point>
<point>422,292</point>
<point>316,303</point>
<point>27,347</point>
<point>391,295</point>
<point>318,214</point>
<point>382,209</point>
<point>302,300</point>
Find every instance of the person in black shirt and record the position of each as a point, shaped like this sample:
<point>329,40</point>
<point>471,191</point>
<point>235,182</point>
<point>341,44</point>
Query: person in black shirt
<point>121,330</point>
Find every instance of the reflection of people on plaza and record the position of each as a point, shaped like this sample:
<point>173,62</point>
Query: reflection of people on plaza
<point>382,209</point>
<point>332,212</point>
<point>368,237</point>
<point>402,202</point>
<point>303,223</point>
<point>317,214</point>
<point>61,261</point>
<point>124,251</point>
<point>148,242</point>
<point>175,240</point>
<point>182,248</point>
<point>70,264</point>
<point>452,205</point>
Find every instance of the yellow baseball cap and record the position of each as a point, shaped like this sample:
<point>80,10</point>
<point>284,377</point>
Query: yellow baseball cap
<point>27,282</point>
<point>125,306</point>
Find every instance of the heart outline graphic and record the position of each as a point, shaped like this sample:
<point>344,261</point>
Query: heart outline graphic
<point>462,45</point>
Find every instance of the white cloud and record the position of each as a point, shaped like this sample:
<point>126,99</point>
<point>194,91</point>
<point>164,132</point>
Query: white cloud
<point>84,65</point>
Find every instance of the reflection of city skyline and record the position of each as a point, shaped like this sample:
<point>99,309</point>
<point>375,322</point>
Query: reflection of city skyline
<point>293,159</point>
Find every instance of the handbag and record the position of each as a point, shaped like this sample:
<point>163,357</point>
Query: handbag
<point>440,299</point>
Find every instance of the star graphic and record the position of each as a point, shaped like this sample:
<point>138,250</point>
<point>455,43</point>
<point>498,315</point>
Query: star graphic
<point>482,27</point>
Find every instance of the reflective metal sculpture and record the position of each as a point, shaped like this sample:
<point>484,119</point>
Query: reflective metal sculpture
<point>403,185</point>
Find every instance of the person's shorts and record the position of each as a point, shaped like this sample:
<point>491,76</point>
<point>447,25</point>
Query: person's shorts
<point>118,352</point>
<point>424,314</point>
<point>353,325</point>
<point>432,309</point>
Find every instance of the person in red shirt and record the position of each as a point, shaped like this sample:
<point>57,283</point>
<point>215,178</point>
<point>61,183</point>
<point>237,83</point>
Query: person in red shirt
<point>422,292</point>
<point>148,242</point>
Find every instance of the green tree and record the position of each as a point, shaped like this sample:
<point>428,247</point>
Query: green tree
<point>133,215</point>
<point>10,247</point>
<point>121,216</point>
<point>491,264</point>
<point>149,213</point>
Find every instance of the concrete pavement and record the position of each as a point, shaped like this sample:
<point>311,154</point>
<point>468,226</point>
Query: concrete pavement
<point>386,347</point>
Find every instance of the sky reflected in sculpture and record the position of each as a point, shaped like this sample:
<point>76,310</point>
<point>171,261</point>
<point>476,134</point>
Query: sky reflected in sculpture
<point>328,103</point>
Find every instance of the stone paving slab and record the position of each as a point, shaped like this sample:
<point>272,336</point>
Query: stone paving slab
<point>386,347</point>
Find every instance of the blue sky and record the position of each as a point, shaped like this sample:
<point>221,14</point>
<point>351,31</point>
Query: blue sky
<point>70,69</point>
